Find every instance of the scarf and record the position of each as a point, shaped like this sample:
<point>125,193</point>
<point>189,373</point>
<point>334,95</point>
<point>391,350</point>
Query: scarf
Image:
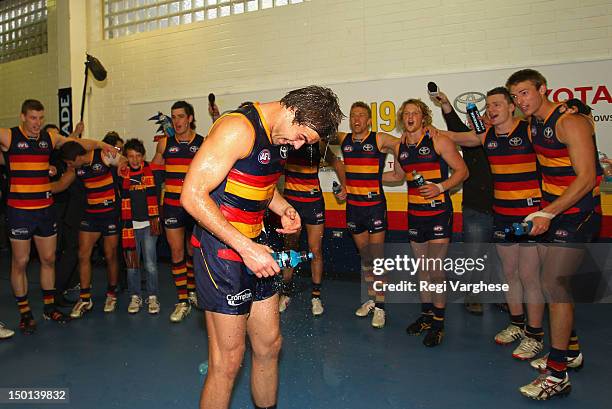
<point>127,232</point>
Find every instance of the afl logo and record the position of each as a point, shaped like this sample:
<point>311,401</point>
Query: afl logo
<point>264,157</point>
<point>193,149</point>
<point>516,141</point>
<point>80,172</point>
<point>561,233</point>
<point>97,167</point>
<point>476,98</point>
<point>43,145</point>
<point>424,151</point>
<point>403,155</point>
<point>173,149</point>
<point>438,228</point>
<point>347,148</point>
<point>548,132</point>
<point>534,130</point>
<point>368,147</point>
<point>283,151</point>
<point>492,145</point>
<point>23,145</point>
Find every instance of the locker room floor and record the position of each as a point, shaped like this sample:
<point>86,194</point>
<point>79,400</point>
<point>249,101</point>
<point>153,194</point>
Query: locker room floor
<point>333,361</point>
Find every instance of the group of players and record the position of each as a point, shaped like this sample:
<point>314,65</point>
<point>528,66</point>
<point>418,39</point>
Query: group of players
<point>226,182</point>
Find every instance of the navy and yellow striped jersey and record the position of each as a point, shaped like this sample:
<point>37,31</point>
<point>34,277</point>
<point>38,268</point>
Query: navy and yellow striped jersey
<point>177,157</point>
<point>302,174</point>
<point>516,184</point>
<point>364,163</point>
<point>556,165</point>
<point>98,181</point>
<point>247,190</point>
<point>423,158</point>
<point>28,170</point>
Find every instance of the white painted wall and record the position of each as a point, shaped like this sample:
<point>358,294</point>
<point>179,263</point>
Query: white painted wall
<point>320,41</point>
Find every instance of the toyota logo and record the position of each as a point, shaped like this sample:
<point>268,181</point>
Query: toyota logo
<point>368,147</point>
<point>516,141</point>
<point>424,151</point>
<point>477,98</point>
<point>283,151</point>
<point>548,132</point>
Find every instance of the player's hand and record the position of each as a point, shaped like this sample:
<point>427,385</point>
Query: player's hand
<point>442,98</point>
<point>257,258</point>
<point>290,220</point>
<point>213,111</point>
<point>79,128</point>
<point>341,196</point>
<point>109,150</point>
<point>540,226</point>
<point>429,190</point>
<point>123,170</point>
<point>433,131</point>
<point>52,170</point>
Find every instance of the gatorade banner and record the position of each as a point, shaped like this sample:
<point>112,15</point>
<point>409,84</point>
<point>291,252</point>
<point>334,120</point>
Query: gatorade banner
<point>65,110</point>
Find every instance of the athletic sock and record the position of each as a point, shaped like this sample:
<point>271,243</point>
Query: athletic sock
<point>23,305</point>
<point>48,300</point>
<point>557,363</point>
<point>316,290</point>
<point>191,286</point>
<point>111,291</point>
<point>85,294</point>
<point>179,274</point>
<point>573,348</point>
<point>518,320</point>
<point>438,318</point>
<point>535,333</point>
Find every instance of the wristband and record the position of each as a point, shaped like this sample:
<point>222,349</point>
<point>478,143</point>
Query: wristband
<point>539,213</point>
<point>440,187</point>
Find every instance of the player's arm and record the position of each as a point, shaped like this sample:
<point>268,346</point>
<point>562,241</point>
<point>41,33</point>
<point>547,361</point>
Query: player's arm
<point>225,144</point>
<point>447,149</point>
<point>468,139</point>
<point>64,181</point>
<point>397,174</point>
<point>290,219</point>
<point>158,159</point>
<point>575,131</point>
<point>5,139</point>
<point>387,142</point>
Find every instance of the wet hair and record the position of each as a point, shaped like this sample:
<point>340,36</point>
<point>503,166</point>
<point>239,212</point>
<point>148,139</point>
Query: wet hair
<point>31,105</point>
<point>579,105</point>
<point>528,74</point>
<point>112,138</point>
<point>188,108</point>
<point>50,126</point>
<point>501,91</point>
<point>427,118</point>
<point>315,107</point>
<point>70,150</point>
<point>361,104</point>
<point>135,145</point>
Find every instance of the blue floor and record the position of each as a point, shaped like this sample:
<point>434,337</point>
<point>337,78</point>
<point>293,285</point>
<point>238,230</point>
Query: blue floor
<point>334,361</point>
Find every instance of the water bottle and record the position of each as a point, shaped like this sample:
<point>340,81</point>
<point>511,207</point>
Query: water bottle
<point>203,368</point>
<point>607,169</point>
<point>291,258</point>
<point>166,123</point>
<point>336,188</point>
<point>519,229</point>
<point>418,178</point>
<point>475,119</point>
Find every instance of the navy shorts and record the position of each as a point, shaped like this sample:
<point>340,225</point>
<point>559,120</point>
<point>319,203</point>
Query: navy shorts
<point>25,223</point>
<point>423,229</point>
<point>106,223</point>
<point>224,284</point>
<point>573,228</point>
<point>310,212</point>
<point>366,218</point>
<point>500,223</point>
<point>176,217</point>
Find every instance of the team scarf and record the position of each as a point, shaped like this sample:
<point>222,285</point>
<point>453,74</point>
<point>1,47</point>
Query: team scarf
<point>127,233</point>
